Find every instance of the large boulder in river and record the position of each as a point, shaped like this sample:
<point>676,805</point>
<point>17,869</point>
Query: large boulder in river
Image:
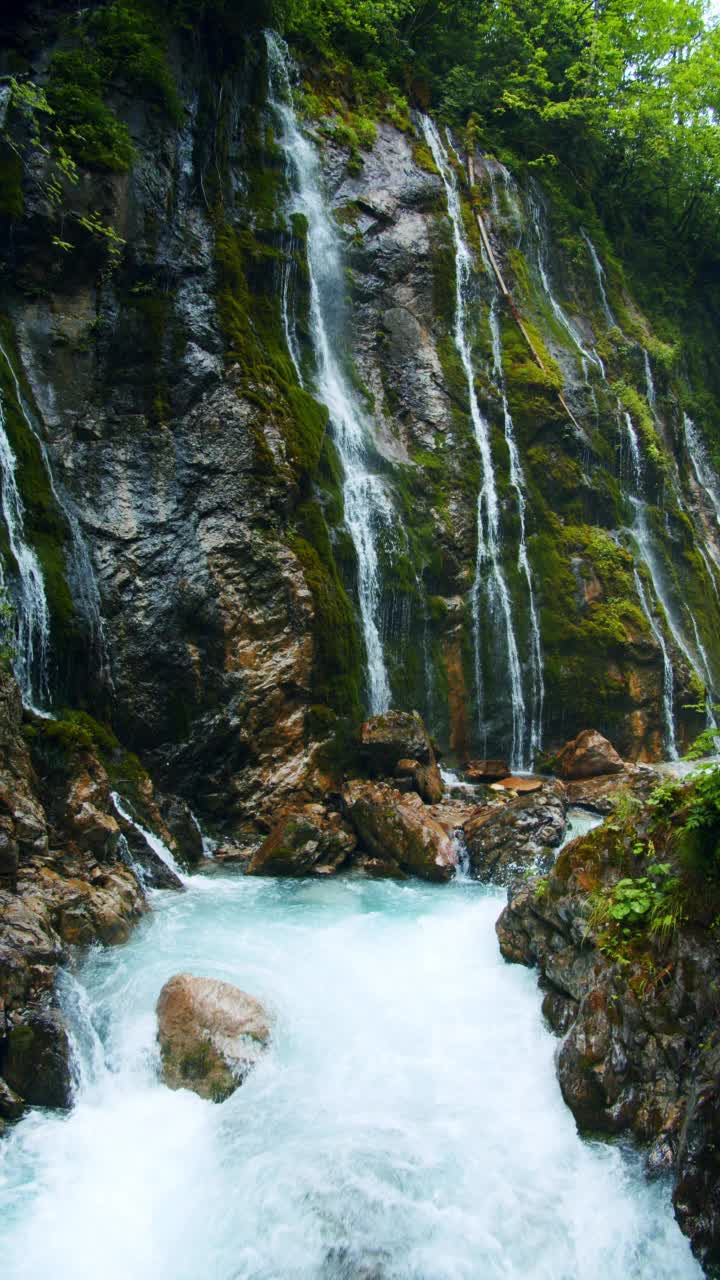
<point>507,839</point>
<point>393,825</point>
<point>211,1034</point>
<point>305,841</point>
<point>397,743</point>
<point>588,756</point>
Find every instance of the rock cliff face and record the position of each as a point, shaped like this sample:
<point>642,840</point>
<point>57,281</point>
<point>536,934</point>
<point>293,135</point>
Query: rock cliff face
<point>623,933</point>
<point>206,487</point>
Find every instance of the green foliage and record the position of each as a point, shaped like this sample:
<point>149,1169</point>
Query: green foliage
<point>92,132</point>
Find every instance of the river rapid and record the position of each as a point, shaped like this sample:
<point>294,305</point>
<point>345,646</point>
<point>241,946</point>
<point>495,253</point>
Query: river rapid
<point>406,1123</point>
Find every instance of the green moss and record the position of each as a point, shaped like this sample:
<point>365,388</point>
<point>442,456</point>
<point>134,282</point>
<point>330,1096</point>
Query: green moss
<point>91,132</point>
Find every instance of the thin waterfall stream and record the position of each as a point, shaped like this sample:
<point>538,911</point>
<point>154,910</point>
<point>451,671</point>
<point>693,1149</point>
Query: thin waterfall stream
<point>369,514</point>
<point>32,615</point>
<point>490,582</point>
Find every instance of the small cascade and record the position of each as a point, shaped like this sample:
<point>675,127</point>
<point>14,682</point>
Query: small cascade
<point>490,582</point>
<point>369,513</point>
<point>155,843</point>
<point>599,270</point>
<point>87,1056</point>
<point>31,613</point>
<point>208,845</point>
<point>82,575</point>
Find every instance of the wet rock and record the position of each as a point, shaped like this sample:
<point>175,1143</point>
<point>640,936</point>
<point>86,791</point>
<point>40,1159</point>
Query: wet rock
<point>152,870</point>
<point>37,1059</point>
<point>397,743</point>
<point>639,1055</point>
<point>305,841</point>
<point>486,770</point>
<point>398,826</point>
<point>508,839</point>
<point>520,785</point>
<point>184,830</point>
<point>587,756</point>
<point>697,1193</point>
<point>378,868</point>
<point>211,1034</point>
<point>601,793</point>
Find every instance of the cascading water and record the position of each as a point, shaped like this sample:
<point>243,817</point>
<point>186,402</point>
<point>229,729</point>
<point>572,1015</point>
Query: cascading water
<point>82,576</point>
<point>489,576</point>
<point>31,633</point>
<point>587,355</point>
<point>405,1123</point>
<point>668,676</point>
<point>701,465</point>
<point>698,662</point>
<point>600,277</point>
<point>517,480</point>
<point>369,513</point>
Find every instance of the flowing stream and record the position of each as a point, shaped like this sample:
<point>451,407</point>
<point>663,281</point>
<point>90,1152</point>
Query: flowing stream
<point>369,513</point>
<point>490,581</point>
<point>406,1123</point>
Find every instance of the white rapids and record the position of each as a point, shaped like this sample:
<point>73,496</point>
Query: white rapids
<point>406,1123</point>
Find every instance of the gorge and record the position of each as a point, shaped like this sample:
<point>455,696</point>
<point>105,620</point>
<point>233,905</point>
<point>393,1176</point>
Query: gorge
<point>360,468</point>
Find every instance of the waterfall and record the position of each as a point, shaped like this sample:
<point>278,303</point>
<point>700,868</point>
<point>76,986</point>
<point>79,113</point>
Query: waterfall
<point>701,465</point>
<point>82,575</point>
<point>600,277</point>
<point>668,677</point>
<point>489,575</point>
<point>155,843</point>
<point>699,662</point>
<point>32,616</point>
<point>560,315</point>
<point>368,507</point>
<point>649,381</point>
<point>517,480</point>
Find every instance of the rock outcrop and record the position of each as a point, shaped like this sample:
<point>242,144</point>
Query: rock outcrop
<point>394,825</point>
<point>305,841</point>
<point>211,1035</point>
<point>509,839</point>
<point>621,930</point>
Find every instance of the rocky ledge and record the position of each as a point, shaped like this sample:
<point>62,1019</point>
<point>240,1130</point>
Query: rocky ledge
<point>73,871</point>
<point>624,932</point>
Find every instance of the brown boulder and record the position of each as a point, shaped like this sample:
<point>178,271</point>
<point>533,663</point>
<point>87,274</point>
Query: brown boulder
<point>211,1035</point>
<point>305,841</point>
<point>398,743</point>
<point>486,770</point>
<point>396,826</point>
<point>588,756</point>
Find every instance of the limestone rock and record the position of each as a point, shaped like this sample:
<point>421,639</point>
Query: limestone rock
<point>211,1034</point>
<point>398,826</point>
<point>588,756</point>
<point>305,841</point>
<point>504,840</point>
